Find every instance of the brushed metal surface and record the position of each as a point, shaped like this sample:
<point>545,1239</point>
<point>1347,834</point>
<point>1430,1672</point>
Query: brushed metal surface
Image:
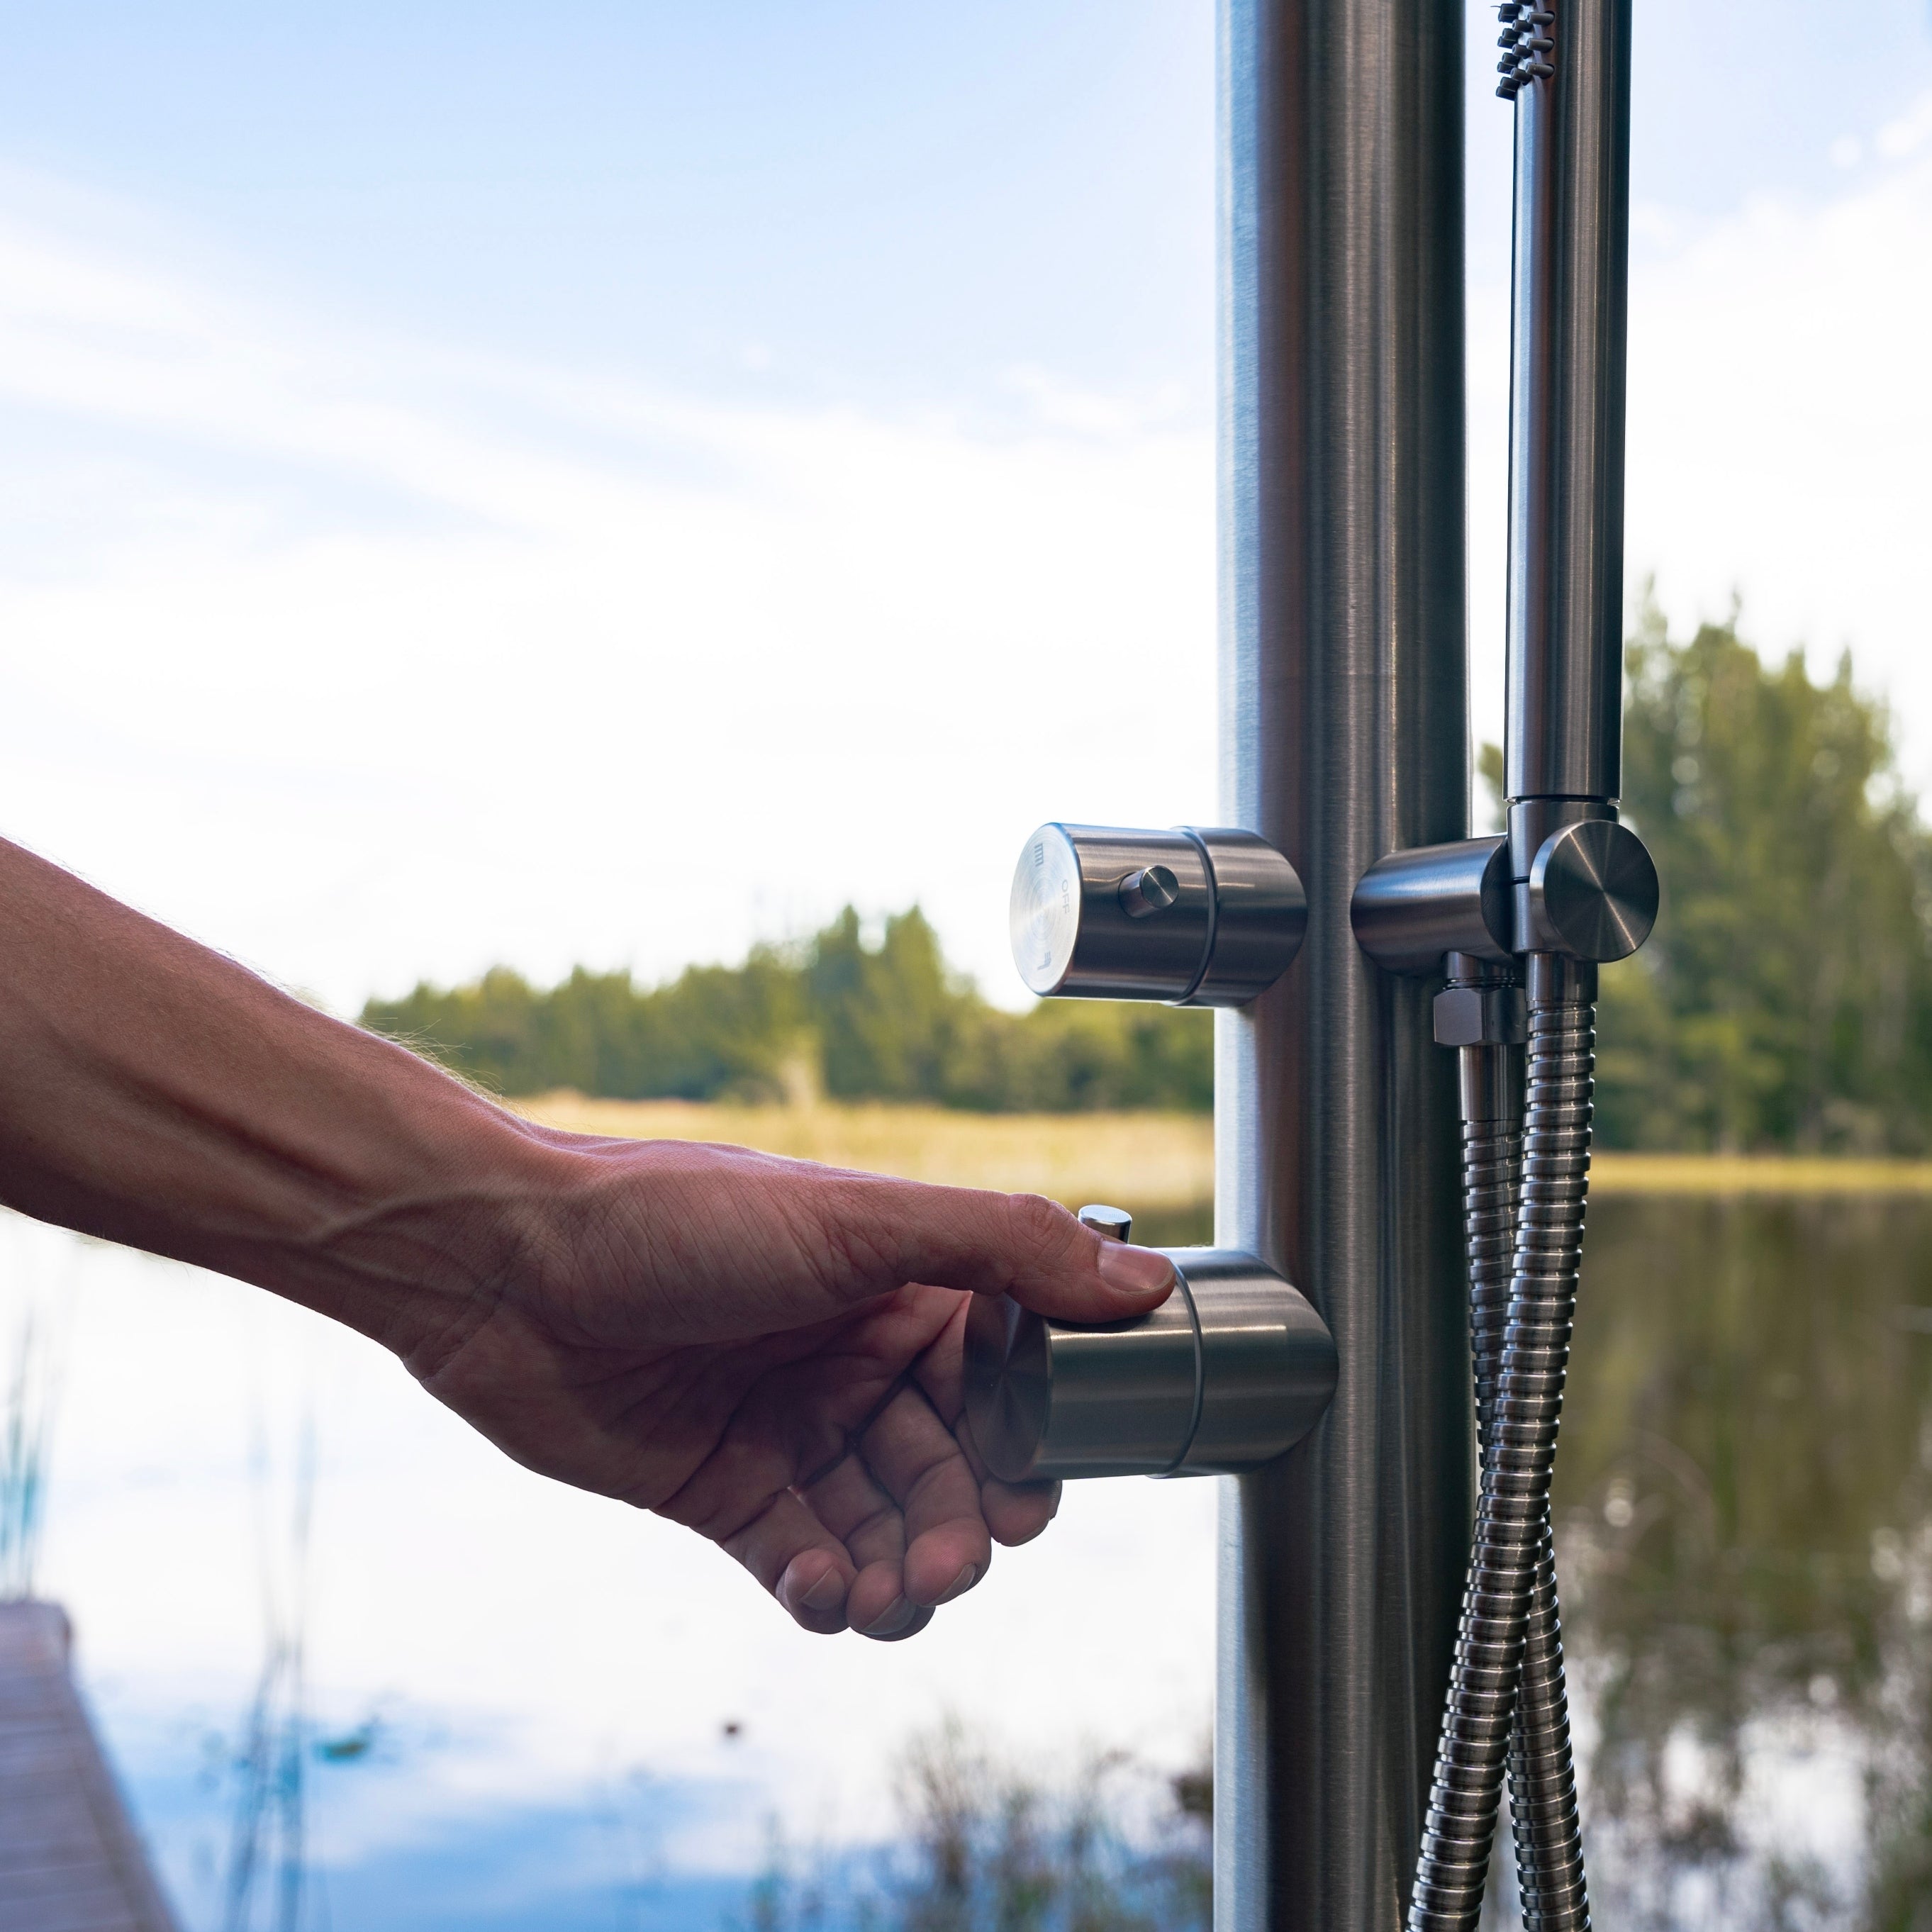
<point>1055,1398</point>
<point>1342,739</point>
<point>1593,892</point>
<point>1075,936</point>
<point>1260,914</point>
<point>1230,1371</point>
<point>1197,916</point>
<point>1411,907</point>
<point>1564,735</point>
<point>1268,1361</point>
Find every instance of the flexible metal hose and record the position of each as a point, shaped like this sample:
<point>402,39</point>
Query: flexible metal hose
<point>1460,1828</point>
<point>1507,1641</point>
<point>1542,1782</point>
<point>1536,1355</point>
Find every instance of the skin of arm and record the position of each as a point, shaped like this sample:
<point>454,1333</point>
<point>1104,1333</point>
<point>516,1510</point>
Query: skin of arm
<point>766,1350</point>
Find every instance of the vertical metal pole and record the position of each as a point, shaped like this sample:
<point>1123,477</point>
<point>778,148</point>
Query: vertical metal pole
<point>1343,737</point>
<point>1570,312</point>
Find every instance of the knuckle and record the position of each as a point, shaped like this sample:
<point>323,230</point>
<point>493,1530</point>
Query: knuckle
<point>1041,1227</point>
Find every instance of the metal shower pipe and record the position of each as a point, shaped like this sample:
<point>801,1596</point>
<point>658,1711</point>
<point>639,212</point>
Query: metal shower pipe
<point>1343,737</point>
<point>1569,305</point>
<point>1319,915</point>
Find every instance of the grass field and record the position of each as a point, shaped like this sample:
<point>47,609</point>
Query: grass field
<point>1145,1161</point>
<point>1154,1163</point>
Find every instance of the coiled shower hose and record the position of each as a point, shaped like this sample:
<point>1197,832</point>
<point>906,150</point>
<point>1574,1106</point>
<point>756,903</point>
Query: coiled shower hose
<point>1507,1705</point>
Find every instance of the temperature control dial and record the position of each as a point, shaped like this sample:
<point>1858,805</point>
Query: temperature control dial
<point>1233,1369</point>
<point>1196,916</point>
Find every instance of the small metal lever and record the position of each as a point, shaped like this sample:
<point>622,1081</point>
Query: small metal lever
<point>1196,916</point>
<point>1233,1368</point>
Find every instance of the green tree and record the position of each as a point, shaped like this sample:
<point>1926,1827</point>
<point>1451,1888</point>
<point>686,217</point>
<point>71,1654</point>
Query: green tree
<point>889,1019</point>
<point>888,1022</point>
<point>1785,1000</point>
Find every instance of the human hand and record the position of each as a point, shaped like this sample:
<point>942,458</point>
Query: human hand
<point>767,1350</point>
<point>770,1352</point>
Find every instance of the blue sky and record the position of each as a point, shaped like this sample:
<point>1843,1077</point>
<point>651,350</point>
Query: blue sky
<point>874,201</point>
<point>456,463</point>
<point>863,200</point>
<point>608,483</point>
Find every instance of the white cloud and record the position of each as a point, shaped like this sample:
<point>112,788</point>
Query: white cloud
<point>1780,423</point>
<point>368,661</point>
<point>1910,132</point>
<point>368,664</point>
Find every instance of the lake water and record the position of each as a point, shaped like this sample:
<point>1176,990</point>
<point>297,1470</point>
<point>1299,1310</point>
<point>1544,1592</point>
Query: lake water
<point>312,1608</point>
<point>1745,1483</point>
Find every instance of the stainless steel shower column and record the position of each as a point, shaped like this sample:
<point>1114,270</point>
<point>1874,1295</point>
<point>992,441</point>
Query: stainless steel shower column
<point>1343,738</point>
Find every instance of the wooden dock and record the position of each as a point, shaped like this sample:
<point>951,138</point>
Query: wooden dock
<point>71,1860</point>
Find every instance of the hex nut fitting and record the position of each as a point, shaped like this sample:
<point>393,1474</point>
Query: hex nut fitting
<point>1481,1016</point>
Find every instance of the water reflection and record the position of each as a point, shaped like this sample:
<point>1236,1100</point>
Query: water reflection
<point>1744,1494</point>
<point>1747,1539</point>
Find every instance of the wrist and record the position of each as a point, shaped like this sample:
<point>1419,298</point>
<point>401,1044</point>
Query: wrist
<point>429,1258</point>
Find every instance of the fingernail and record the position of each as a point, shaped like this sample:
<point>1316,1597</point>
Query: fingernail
<point>891,1620</point>
<point>824,1593</point>
<point>961,1584</point>
<point>913,1625</point>
<point>1134,1271</point>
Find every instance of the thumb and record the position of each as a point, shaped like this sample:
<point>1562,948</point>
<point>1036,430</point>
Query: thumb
<point>1018,1244</point>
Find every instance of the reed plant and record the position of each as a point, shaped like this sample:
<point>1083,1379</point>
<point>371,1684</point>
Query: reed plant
<point>26,1422</point>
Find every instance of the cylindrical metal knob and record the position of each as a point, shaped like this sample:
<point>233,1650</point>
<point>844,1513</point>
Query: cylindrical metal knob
<point>1592,893</point>
<point>1202,917</point>
<point>1234,1368</point>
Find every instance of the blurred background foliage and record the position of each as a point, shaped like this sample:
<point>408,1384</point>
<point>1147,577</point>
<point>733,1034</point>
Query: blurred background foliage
<point>885,1021</point>
<point>1784,1002</point>
<point>1786,999</point>
<point>1111,1845</point>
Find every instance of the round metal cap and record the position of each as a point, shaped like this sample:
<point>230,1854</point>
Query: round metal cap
<point>1043,913</point>
<point>1008,1384</point>
<point>1595,890</point>
<point>1048,1398</point>
<point>1098,913</point>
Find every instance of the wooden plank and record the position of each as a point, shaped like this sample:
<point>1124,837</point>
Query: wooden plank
<point>71,1860</point>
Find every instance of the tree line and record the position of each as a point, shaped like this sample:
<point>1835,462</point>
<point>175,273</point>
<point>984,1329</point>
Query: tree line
<point>1785,1000</point>
<point>888,1020</point>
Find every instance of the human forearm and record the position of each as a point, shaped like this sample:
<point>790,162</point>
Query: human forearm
<point>767,1350</point>
<point>155,1092</point>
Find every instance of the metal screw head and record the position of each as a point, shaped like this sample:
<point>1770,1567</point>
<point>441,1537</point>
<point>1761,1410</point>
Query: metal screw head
<point>1152,889</point>
<point>1594,890</point>
<point>1116,1223</point>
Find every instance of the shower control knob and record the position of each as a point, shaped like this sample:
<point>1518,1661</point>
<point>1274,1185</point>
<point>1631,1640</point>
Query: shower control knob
<point>1116,1223</point>
<point>1197,916</point>
<point>1233,1368</point>
<point>1592,892</point>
